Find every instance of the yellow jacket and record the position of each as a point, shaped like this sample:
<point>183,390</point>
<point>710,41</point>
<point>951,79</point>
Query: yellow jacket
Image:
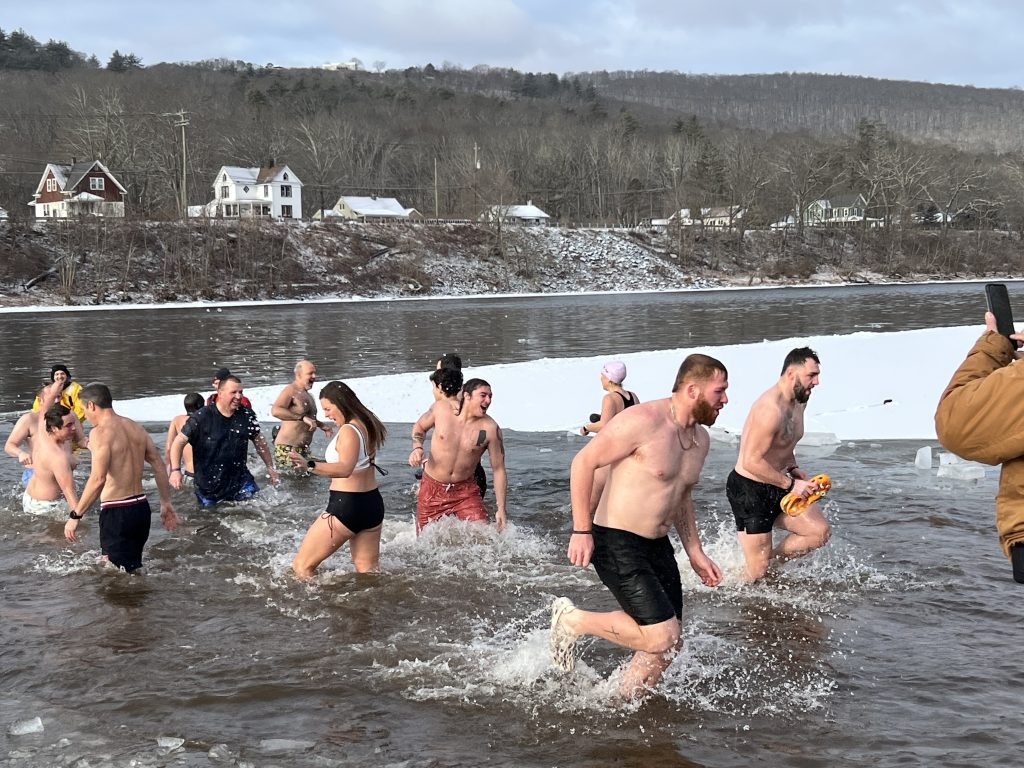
<point>981,418</point>
<point>69,399</point>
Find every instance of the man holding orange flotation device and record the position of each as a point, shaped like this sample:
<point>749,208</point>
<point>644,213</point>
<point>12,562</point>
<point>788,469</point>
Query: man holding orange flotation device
<point>767,481</point>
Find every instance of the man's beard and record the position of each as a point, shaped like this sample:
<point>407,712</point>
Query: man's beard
<point>801,393</point>
<point>704,412</point>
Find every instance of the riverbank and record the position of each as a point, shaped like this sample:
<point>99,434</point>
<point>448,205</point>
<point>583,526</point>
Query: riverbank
<point>111,262</point>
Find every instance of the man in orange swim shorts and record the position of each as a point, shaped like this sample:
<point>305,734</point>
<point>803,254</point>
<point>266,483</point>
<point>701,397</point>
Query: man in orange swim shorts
<point>459,441</point>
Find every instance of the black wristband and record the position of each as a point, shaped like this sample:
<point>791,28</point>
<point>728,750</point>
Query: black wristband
<point>311,464</point>
<point>584,533</point>
<point>175,469</point>
<point>792,482</point>
<point>75,516</point>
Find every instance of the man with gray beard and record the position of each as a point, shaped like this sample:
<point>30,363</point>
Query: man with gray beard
<point>766,470</point>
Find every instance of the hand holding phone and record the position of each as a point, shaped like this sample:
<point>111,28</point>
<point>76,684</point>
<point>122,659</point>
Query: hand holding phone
<point>999,305</point>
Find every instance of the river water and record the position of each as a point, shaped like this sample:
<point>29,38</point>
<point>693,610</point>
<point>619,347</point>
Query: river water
<point>894,645</point>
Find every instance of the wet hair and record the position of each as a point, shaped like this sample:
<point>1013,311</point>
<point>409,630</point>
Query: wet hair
<point>450,360</point>
<point>193,402</point>
<point>472,385</point>
<point>341,396</point>
<point>448,379</point>
<point>98,394</point>
<point>799,356</point>
<point>698,368</point>
<point>226,379</point>
<point>54,416</point>
<point>302,362</point>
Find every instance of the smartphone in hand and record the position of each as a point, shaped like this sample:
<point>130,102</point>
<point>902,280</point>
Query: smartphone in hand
<point>999,305</point>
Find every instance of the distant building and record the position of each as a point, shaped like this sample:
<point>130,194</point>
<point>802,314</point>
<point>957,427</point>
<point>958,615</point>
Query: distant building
<point>273,192</point>
<point>82,189</point>
<point>351,64</point>
<point>836,211</point>
<point>529,214</point>
<point>723,216</point>
<point>369,209</point>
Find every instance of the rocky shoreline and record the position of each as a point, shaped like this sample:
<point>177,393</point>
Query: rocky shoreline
<point>106,263</point>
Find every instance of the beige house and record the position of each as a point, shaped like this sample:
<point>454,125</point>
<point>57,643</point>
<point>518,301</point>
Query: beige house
<point>370,209</point>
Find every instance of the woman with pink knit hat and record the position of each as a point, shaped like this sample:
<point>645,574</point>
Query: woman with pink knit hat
<point>613,373</point>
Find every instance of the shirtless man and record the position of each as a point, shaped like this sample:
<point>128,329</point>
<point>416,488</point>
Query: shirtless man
<point>27,427</point>
<point>296,409</point>
<point>655,452</point>
<point>193,402</point>
<point>51,464</point>
<point>459,441</point>
<point>119,448</point>
<point>766,470</point>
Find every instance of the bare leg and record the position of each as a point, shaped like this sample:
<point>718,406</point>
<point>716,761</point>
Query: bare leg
<point>757,551</point>
<point>620,628</point>
<point>365,550</point>
<point>325,537</point>
<point>807,532</point>
<point>645,671</point>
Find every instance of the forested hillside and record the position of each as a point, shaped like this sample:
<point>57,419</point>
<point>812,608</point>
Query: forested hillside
<point>611,148</point>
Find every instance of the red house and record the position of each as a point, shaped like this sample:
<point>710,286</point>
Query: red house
<point>82,189</point>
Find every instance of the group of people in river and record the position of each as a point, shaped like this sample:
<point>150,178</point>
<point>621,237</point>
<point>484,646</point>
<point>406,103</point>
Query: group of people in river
<point>629,485</point>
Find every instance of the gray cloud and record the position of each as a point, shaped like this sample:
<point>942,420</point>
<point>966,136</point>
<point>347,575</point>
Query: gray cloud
<point>933,40</point>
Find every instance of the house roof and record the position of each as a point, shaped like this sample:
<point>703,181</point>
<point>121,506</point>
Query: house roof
<point>380,207</point>
<point>254,176</point>
<point>529,211</point>
<point>69,176</point>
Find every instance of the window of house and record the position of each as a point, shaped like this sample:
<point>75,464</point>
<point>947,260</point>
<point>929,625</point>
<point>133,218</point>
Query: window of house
<point>266,190</point>
<point>245,188</point>
<point>225,190</point>
<point>96,183</point>
<point>46,210</point>
<point>51,185</point>
<point>224,178</point>
<point>286,211</point>
<point>286,190</point>
<point>286,177</point>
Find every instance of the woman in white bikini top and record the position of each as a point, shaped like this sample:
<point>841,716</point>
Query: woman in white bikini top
<point>355,510</point>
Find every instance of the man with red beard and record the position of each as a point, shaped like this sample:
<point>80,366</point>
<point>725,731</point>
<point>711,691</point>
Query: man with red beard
<point>766,470</point>
<point>654,453</point>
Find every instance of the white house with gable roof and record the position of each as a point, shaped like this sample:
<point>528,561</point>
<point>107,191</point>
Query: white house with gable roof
<point>371,208</point>
<point>273,192</point>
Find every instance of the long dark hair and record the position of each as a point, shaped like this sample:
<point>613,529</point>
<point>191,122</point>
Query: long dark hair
<point>344,399</point>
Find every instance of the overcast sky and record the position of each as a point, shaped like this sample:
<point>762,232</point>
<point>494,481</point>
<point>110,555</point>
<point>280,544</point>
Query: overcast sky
<point>976,42</point>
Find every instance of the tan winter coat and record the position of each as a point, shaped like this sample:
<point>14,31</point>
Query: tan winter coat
<point>981,418</point>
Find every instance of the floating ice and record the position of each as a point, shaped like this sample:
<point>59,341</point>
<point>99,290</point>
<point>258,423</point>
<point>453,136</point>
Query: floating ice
<point>946,459</point>
<point>286,745</point>
<point>819,438</point>
<point>923,460</point>
<point>220,753</point>
<point>25,727</point>
<point>962,471</point>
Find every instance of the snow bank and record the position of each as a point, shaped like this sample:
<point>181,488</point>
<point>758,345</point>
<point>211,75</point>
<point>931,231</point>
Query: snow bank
<point>873,385</point>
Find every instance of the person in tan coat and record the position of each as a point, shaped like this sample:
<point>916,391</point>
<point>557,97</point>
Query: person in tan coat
<point>980,417</point>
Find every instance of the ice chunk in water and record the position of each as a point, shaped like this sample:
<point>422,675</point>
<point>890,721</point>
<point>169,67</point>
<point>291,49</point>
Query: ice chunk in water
<point>169,742</point>
<point>286,745</point>
<point>220,753</point>
<point>722,436</point>
<point>963,470</point>
<point>25,727</point>
<point>946,458</point>
<point>923,460</point>
<point>819,438</point>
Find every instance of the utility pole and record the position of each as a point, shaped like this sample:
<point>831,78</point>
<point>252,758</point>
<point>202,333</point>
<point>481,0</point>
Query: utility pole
<point>183,121</point>
<point>436,216</point>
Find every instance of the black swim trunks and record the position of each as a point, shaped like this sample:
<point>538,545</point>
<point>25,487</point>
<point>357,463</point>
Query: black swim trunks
<point>642,574</point>
<point>755,505</point>
<point>481,479</point>
<point>124,529</point>
<point>357,511</point>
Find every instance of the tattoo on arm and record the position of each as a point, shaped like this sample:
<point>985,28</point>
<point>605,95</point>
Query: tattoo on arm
<point>482,437</point>
<point>418,437</point>
<point>501,442</point>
